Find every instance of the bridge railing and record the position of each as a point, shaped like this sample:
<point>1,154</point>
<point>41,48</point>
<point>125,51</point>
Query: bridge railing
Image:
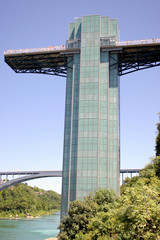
<point>138,42</point>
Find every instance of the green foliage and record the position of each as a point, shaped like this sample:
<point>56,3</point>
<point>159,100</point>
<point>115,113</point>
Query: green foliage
<point>22,200</point>
<point>135,214</point>
<point>104,198</point>
<point>156,162</point>
<point>81,212</point>
<point>157,148</point>
<point>138,212</point>
<point>79,215</point>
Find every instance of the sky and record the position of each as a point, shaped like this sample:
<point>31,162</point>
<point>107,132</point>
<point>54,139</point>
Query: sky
<point>32,105</point>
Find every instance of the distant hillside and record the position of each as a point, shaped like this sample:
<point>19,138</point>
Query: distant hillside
<point>22,200</point>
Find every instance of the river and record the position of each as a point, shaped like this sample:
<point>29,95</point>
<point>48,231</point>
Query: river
<point>29,229</point>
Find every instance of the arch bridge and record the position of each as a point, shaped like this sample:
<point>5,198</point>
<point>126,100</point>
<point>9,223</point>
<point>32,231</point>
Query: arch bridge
<point>23,176</point>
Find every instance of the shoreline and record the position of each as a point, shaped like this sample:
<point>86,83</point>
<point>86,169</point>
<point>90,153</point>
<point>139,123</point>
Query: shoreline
<point>21,218</point>
<point>29,217</point>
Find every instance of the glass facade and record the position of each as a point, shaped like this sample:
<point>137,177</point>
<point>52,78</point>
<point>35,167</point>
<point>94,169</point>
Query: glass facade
<point>91,138</point>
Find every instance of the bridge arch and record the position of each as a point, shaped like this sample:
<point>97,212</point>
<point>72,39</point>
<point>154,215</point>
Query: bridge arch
<point>26,176</point>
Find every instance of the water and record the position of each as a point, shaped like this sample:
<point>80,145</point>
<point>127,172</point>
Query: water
<point>30,229</point>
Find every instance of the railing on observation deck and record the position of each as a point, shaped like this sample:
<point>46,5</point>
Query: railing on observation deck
<point>32,50</point>
<point>104,42</point>
<point>138,42</point>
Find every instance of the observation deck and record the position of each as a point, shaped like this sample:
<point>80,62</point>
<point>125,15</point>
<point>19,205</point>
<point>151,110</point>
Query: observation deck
<point>132,56</point>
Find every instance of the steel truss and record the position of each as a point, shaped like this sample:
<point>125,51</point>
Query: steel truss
<point>138,58</point>
<point>44,63</point>
<point>49,71</point>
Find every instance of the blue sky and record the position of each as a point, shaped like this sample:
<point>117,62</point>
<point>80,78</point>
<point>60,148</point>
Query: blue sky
<point>32,106</point>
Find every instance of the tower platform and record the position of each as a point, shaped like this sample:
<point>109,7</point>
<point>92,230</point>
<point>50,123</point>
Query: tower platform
<point>133,56</point>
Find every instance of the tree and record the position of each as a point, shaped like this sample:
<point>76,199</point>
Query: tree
<point>156,162</point>
<point>138,212</point>
<point>80,214</point>
<point>157,148</point>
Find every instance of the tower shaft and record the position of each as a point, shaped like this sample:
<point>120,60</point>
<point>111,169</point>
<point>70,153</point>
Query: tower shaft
<point>91,138</point>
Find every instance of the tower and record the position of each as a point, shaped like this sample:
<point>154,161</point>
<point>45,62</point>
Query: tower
<point>92,61</point>
<point>91,136</point>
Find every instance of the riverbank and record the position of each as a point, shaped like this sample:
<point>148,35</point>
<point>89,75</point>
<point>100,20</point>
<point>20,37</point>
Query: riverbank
<point>22,218</point>
<point>27,216</point>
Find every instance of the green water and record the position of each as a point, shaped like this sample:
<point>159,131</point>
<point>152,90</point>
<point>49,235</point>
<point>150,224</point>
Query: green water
<point>32,229</point>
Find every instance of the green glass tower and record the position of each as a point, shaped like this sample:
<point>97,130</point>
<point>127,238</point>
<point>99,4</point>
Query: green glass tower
<point>91,138</point>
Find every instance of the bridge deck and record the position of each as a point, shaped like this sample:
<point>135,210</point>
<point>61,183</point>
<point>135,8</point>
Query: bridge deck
<point>30,172</point>
<point>133,56</point>
<point>58,172</point>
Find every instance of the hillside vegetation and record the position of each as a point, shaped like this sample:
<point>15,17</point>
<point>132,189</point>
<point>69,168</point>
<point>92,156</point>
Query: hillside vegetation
<point>134,215</point>
<point>22,200</point>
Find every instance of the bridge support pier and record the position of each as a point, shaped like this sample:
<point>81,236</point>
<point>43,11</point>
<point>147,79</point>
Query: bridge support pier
<point>129,173</point>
